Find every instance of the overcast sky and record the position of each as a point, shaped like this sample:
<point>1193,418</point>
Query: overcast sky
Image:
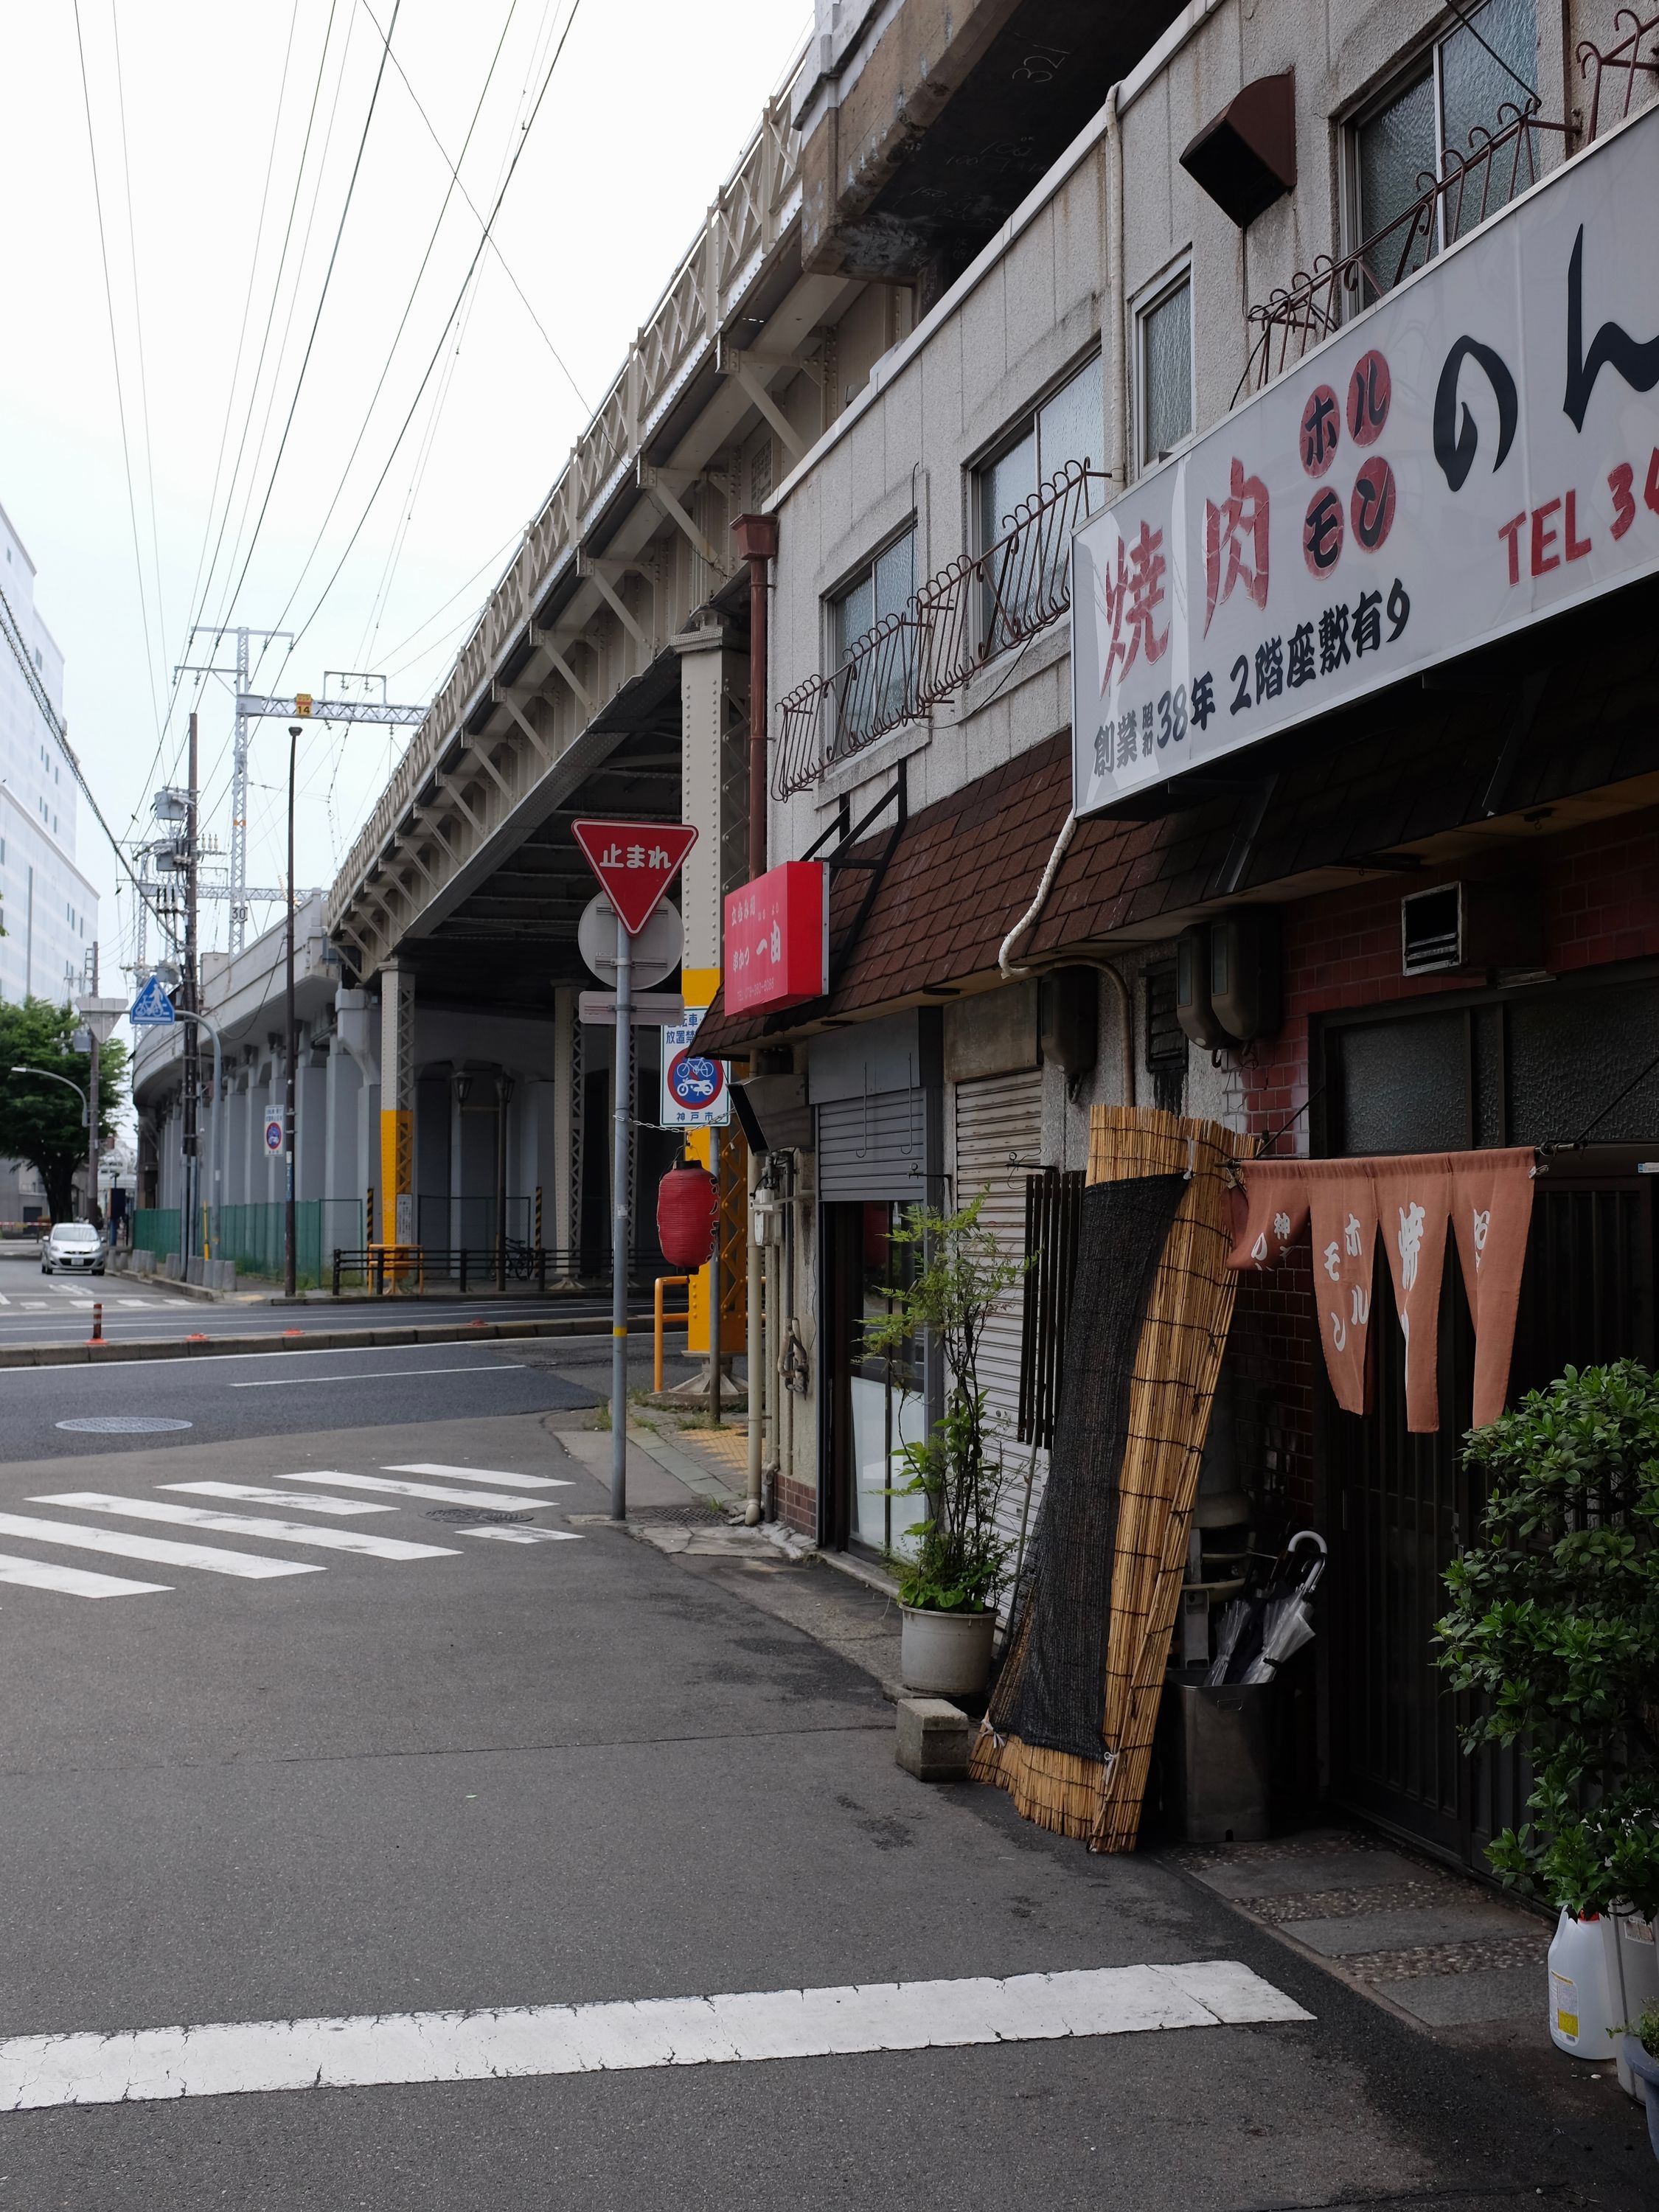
<point>233,112</point>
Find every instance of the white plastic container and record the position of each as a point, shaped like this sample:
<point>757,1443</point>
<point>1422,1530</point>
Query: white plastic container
<point>1632,1978</point>
<point>1581,2011</point>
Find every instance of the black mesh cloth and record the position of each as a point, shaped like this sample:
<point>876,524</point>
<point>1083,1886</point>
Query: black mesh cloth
<point>1052,1689</point>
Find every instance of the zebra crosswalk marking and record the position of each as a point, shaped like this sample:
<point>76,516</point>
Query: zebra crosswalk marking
<point>502,1500</point>
<point>69,1582</point>
<point>250,1493</point>
<point>247,1565</point>
<point>482,1474</point>
<point>257,1529</point>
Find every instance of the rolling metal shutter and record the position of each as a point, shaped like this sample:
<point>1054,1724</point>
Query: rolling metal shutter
<point>874,1147</point>
<point>998,1143</point>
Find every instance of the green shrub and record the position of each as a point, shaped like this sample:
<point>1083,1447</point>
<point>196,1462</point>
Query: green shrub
<point>1554,1628</point>
<point>960,1277</point>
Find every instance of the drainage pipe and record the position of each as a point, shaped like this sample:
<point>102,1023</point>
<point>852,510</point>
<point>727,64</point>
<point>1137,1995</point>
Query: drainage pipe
<point>757,543</point>
<point>755,1353</point>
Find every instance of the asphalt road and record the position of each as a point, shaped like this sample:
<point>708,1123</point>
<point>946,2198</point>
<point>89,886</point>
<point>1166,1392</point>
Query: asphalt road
<point>37,1309</point>
<point>255,1394</point>
<point>574,1771</point>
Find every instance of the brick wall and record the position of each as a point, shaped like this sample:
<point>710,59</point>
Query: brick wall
<point>1599,895</point>
<point>797,1504</point>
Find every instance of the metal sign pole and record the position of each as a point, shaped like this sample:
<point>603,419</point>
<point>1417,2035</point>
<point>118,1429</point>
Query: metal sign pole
<point>624,1106</point>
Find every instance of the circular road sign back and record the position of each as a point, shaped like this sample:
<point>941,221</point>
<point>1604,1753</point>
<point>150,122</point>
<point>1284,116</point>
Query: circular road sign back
<point>273,1133</point>
<point>696,1082</point>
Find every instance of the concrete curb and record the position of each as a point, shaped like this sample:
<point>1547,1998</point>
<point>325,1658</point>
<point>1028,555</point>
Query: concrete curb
<point>107,1354</point>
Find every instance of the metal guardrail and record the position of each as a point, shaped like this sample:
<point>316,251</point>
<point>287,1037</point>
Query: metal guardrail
<point>974,608</point>
<point>394,1270</point>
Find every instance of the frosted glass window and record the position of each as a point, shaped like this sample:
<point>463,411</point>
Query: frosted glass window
<point>1166,372</point>
<point>876,690</point>
<point>1472,83</point>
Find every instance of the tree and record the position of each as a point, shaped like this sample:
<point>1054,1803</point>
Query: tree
<point>40,1121</point>
<point>1554,1626</point>
<point>960,1277</point>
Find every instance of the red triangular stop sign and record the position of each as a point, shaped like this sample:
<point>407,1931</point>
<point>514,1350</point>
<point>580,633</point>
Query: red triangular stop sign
<point>635,862</point>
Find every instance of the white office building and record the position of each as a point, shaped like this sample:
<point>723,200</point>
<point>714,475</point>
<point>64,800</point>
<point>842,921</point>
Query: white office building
<point>49,910</point>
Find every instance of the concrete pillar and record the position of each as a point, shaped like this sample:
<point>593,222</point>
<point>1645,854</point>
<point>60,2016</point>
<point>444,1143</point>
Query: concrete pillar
<point>343,1082</point>
<point>714,769</point>
<point>310,1128</point>
<point>396,1106</point>
<point>273,1180</point>
<point>709,672</point>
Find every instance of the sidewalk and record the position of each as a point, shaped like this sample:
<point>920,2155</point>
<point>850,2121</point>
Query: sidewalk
<point>682,1493</point>
<point>1457,1962</point>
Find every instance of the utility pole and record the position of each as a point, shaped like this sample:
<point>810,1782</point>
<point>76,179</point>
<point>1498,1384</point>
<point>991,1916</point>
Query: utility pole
<point>192,1053</point>
<point>290,1285</point>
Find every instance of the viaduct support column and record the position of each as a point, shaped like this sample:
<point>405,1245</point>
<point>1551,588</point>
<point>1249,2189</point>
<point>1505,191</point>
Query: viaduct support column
<point>396,1106</point>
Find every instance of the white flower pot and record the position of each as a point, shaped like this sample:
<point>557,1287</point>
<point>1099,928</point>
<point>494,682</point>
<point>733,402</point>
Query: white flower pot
<point>948,1654</point>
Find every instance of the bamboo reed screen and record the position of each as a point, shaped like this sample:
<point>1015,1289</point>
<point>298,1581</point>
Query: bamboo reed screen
<point>1177,1361</point>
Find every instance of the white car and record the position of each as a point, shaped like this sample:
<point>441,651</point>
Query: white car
<point>75,1246</point>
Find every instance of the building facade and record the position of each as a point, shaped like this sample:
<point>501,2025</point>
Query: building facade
<point>50,908</point>
<point>1435,877</point>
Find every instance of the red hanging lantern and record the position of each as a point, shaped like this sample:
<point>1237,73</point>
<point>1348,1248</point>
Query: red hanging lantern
<point>686,1204</point>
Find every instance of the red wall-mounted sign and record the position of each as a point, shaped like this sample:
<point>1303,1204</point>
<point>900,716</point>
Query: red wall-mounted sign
<point>777,938</point>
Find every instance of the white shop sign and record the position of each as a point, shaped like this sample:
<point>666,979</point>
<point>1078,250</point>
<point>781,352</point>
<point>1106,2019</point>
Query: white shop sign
<point>1478,452</point>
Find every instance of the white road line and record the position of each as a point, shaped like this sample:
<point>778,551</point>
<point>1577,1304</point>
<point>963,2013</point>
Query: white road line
<point>69,1582</point>
<point>239,1524</point>
<point>505,1500</point>
<point>245,1564</point>
<point>41,2071</point>
<point>372,1374</point>
<point>524,1535</point>
<point>482,1474</point>
<point>252,1494</point>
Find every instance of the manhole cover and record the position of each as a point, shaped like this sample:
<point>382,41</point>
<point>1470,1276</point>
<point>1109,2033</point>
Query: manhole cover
<point>124,1424</point>
<point>469,1517</point>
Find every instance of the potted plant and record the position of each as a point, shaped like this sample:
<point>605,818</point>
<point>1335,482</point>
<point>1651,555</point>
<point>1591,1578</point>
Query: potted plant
<point>1554,1629</point>
<point>950,1583</point>
<point>1641,2054</point>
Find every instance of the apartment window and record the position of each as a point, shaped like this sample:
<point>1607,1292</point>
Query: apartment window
<point>1429,117</point>
<point>1164,329</point>
<point>1067,427</point>
<point>877,686</point>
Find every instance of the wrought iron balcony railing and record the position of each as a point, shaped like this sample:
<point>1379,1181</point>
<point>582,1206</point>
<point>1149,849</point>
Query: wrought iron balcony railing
<point>975,608</point>
<point>1626,58</point>
<point>1496,166</point>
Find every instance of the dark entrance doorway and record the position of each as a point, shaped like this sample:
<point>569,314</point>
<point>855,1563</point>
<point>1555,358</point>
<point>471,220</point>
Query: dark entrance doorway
<point>1400,1506</point>
<point>1486,1068</point>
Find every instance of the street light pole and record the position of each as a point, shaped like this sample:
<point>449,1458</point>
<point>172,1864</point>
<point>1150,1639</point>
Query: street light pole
<point>290,1285</point>
<point>50,1076</point>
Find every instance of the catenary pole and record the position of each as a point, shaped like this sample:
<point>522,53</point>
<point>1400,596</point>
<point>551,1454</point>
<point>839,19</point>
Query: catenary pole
<point>192,1071</point>
<point>619,1224</point>
<point>289,1283</point>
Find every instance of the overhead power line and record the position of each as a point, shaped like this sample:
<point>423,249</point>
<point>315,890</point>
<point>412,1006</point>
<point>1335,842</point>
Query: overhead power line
<point>414,289</point>
<point>322,301</point>
<point>115,354</point>
<point>437,351</point>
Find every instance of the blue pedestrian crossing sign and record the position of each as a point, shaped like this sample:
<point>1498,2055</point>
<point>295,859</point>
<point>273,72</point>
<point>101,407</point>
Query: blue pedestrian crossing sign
<point>152,1008</point>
